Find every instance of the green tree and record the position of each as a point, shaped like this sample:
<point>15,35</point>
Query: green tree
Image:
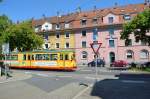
<point>22,37</point>
<point>5,22</point>
<point>139,26</point>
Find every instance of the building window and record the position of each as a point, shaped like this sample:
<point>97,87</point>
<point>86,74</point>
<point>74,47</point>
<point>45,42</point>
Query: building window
<point>37,28</point>
<point>46,46</point>
<point>143,43</point>
<point>110,19</point>
<point>67,34</point>
<point>57,26</point>
<point>66,25</point>
<point>128,42</point>
<point>127,17</point>
<point>111,31</point>
<point>57,35</point>
<point>95,21</point>
<point>57,45</point>
<point>95,34</point>
<point>83,22</point>
<point>144,54</point>
<point>67,45</point>
<point>129,54</point>
<point>84,55</point>
<point>111,43</point>
<point>83,44</point>
<point>83,32</point>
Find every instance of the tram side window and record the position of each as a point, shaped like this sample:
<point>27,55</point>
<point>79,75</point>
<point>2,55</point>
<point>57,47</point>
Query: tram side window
<point>24,57</point>
<point>11,57</point>
<point>72,56</point>
<point>29,58</point>
<point>45,56</point>
<point>61,56</point>
<point>53,57</point>
<point>32,57</point>
<point>66,57</point>
<point>38,57</point>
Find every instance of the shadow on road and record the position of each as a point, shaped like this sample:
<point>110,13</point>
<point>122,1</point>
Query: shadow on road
<point>127,86</point>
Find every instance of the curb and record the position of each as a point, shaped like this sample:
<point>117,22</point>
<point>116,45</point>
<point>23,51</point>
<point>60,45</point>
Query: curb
<point>81,92</point>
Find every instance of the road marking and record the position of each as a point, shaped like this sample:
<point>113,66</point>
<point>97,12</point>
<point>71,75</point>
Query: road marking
<point>27,72</point>
<point>91,78</point>
<point>85,70</point>
<point>44,75</point>
<point>65,76</point>
<point>80,93</point>
<point>133,81</point>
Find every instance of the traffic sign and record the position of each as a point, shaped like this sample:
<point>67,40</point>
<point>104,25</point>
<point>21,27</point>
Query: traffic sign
<point>95,46</point>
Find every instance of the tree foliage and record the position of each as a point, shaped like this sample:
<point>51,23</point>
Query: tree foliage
<point>5,22</point>
<point>22,37</point>
<point>139,26</point>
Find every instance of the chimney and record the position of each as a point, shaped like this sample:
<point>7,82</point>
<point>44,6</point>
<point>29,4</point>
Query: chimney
<point>58,14</point>
<point>95,8</point>
<point>44,17</point>
<point>79,9</point>
<point>116,4</point>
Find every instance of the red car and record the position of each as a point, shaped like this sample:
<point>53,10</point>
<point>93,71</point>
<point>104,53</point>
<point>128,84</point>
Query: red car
<point>119,63</point>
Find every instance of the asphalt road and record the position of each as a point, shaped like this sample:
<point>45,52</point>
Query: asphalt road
<point>66,85</point>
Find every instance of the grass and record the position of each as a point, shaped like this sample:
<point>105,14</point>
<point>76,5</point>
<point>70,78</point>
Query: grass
<point>147,69</point>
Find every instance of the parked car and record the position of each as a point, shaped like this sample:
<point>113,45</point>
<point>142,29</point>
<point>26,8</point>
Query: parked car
<point>119,63</point>
<point>146,64</point>
<point>100,63</point>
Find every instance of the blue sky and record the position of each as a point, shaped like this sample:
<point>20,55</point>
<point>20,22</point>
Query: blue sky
<point>26,9</point>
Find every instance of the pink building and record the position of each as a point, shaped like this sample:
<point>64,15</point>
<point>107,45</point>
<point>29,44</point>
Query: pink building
<point>104,26</point>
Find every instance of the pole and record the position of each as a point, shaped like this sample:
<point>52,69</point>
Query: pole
<point>5,67</point>
<point>96,68</point>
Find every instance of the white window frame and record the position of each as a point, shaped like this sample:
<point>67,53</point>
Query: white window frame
<point>66,45</point>
<point>144,54</point>
<point>57,46</point>
<point>67,25</point>
<point>66,35</point>
<point>57,26</point>
<point>57,34</point>
<point>113,41</point>
<point>84,53</point>
<point>129,54</point>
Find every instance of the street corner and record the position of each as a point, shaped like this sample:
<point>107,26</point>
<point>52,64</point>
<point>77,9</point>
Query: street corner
<point>14,76</point>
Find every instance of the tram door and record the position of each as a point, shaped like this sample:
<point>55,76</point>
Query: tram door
<point>27,60</point>
<point>66,60</point>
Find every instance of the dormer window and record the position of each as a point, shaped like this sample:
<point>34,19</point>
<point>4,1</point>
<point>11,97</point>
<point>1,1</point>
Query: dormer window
<point>66,25</point>
<point>46,26</point>
<point>110,19</point>
<point>95,21</point>
<point>127,17</point>
<point>57,26</point>
<point>37,28</point>
<point>83,22</point>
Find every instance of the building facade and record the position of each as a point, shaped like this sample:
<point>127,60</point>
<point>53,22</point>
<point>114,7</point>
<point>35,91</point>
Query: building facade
<point>78,30</point>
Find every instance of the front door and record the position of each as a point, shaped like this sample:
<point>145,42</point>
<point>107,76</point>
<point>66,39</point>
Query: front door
<point>112,57</point>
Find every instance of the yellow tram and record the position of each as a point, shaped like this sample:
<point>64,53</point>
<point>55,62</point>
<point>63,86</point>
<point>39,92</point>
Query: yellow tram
<point>42,59</point>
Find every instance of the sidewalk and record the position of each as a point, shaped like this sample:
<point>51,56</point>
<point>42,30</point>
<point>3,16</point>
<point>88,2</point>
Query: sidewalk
<point>14,77</point>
